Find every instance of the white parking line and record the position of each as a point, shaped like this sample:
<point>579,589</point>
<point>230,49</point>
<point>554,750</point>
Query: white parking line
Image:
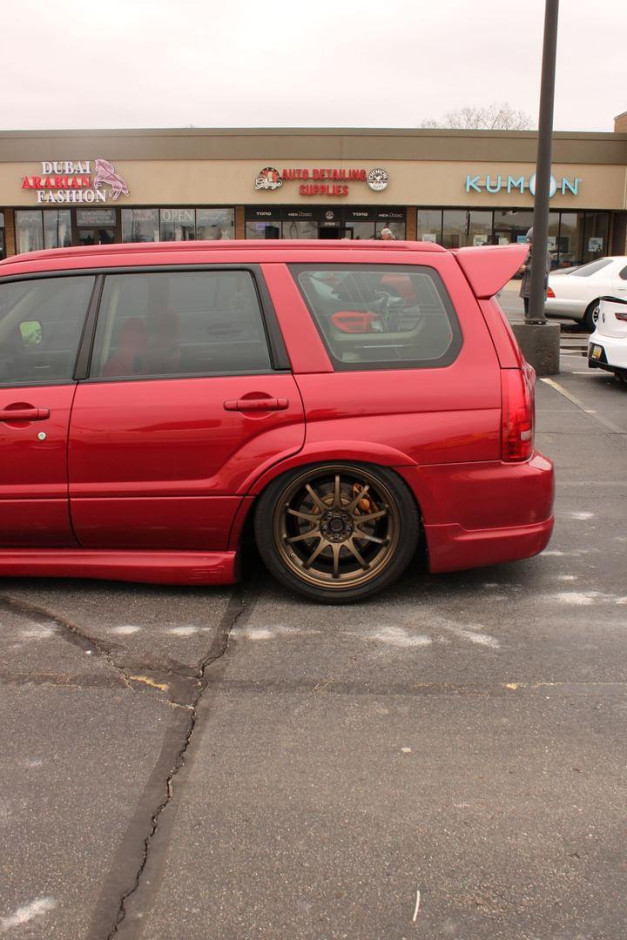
<point>579,404</point>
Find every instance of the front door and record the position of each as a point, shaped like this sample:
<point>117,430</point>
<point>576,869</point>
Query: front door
<point>335,231</point>
<point>188,399</point>
<point>41,321</point>
<point>96,236</point>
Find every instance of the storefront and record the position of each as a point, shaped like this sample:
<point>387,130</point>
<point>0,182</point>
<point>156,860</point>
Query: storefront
<point>455,188</point>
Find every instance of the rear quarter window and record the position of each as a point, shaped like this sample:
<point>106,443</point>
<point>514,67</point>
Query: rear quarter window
<point>374,316</point>
<point>591,268</point>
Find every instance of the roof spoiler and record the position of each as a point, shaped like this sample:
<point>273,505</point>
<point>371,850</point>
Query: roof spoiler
<point>489,267</point>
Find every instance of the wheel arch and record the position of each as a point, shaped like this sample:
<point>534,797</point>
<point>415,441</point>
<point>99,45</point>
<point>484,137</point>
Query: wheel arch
<point>316,457</point>
<point>326,452</point>
<point>590,308</point>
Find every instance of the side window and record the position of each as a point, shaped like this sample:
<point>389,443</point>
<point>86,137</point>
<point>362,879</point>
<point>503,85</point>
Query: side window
<point>623,274</point>
<point>381,316</point>
<point>591,268</point>
<point>41,322</point>
<point>180,323</point>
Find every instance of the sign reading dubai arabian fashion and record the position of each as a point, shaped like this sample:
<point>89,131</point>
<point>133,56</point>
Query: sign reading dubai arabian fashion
<point>67,181</point>
<point>322,181</point>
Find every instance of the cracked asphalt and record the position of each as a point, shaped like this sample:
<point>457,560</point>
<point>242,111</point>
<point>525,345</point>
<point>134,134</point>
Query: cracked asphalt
<point>445,761</point>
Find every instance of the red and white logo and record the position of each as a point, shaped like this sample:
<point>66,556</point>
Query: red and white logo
<point>269,178</point>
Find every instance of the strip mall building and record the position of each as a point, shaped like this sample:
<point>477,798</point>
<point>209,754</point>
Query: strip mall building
<point>61,188</point>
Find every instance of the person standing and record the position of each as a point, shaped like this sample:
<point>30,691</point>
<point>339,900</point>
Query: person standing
<point>387,234</point>
<point>525,270</point>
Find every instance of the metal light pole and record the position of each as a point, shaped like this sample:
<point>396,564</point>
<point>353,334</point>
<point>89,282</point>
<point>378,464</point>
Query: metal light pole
<point>543,168</point>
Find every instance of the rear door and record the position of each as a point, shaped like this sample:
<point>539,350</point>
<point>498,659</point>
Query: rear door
<point>41,322</point>
<point>188,396</point>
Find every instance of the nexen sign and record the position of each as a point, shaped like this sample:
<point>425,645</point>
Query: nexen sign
<point>510,184</point>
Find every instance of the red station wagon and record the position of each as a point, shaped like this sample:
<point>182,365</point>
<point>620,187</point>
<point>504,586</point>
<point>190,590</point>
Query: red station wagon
<point>338,400</point>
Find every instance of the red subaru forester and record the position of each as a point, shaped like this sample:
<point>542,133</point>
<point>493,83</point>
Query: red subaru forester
<point>338,399</point>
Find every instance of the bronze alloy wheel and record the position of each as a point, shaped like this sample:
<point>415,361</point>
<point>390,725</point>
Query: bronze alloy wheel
<point>337,529</point>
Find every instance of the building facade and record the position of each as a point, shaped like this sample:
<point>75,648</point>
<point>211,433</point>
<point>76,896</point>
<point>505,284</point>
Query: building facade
<point>60,188</point>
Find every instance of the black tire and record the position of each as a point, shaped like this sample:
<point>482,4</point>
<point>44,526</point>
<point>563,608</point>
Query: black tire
<point>591,316</point>
<point>308,521</point>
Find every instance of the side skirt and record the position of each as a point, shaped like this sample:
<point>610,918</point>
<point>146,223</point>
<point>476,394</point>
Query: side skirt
<point>158,567</point>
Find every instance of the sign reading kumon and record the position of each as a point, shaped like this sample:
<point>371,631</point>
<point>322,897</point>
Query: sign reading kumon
<point>510,184</point>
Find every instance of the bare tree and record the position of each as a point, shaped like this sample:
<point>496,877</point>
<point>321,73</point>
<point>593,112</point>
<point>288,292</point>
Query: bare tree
<point>498,116</point>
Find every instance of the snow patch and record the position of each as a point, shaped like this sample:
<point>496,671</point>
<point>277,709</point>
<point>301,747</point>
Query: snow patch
<point>23,915</point>
<point>38,631</point>
<point>578,598</point>
<point>398,636</point>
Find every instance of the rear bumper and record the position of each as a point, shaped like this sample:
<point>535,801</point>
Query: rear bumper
<point>613,356</point>
<point>484,513</point>
<point>452,548</point>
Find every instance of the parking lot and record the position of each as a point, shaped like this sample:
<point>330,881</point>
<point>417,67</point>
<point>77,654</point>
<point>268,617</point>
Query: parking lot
<point>447,760</point>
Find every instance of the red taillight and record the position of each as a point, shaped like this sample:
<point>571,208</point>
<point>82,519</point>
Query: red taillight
<point>550,292</point>
<point>518,404</point>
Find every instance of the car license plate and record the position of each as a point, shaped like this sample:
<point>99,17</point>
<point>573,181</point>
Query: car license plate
<point>595,352</point>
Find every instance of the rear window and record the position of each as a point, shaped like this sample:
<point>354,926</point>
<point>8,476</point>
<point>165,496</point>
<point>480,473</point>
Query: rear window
<point>587,269</point>
<point>380,316</point>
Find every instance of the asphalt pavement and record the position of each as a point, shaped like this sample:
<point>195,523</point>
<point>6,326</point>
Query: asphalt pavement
<point>445,761</point>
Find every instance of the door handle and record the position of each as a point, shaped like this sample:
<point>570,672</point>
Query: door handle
<point>24,414</point>
<point>256,404</point>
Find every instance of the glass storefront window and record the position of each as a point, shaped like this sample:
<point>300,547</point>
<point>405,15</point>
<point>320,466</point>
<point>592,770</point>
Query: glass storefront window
<point>42,228</point>
<point>569,242</point>
<point>57,228</point>
<point>140,225</point>
<point>215,223</point>
<point>596,244</point>
<point>264,228</point>
<point>300,228</point>
<point>511,225</point>
<point>397,229</point>
<point>429,225</point>
<point>462,227</point>
<point>360,230</point>
<point>177,225</point>
<point>553,238</point>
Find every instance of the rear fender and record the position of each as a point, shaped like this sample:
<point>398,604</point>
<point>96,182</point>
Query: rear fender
<point>329,452</point>
<point>350,451</point>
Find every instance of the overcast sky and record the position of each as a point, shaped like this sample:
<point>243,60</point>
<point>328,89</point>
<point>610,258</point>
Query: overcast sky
<point>285,63</point>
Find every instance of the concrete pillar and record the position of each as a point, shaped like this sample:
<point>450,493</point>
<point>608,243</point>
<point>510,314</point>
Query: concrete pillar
<point>540,345</point>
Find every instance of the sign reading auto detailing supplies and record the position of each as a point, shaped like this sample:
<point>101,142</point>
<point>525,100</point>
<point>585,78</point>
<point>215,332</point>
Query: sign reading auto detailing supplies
<point>74,181</point>
<point>322,181</point>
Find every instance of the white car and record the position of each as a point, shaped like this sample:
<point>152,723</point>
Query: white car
<point>607,347</point>
<point>575,294</point>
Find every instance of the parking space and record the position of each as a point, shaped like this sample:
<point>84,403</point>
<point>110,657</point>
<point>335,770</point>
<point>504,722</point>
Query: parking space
<point>446,760</point>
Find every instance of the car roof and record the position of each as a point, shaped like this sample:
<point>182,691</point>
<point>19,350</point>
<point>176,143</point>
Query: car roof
<point>142,253</point>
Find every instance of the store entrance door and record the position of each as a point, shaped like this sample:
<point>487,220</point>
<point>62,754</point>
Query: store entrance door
<point>335,231</point>
<point>96,236</point>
